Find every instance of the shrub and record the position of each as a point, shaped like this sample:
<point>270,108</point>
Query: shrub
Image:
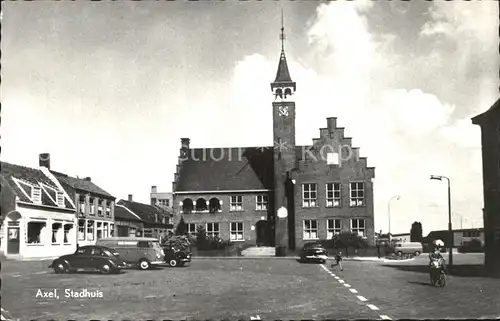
<point>178,241</point>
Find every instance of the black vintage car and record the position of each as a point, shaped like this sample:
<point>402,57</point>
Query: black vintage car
<point>91,257</point>
<point>176,256</point>
<point>313,252</point>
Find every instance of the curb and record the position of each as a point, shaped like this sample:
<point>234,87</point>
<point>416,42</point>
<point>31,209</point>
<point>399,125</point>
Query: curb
<point>391,261</point>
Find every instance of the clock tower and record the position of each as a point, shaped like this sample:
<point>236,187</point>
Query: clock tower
<point>283,90</point>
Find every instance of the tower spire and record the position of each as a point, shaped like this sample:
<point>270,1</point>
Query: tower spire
<point>282,35</point>
<point>283,75</point>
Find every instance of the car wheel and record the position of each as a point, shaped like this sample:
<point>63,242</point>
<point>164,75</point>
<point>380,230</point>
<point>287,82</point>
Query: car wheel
<point>144,265</point>
<point>60,267</point>
<point>417,253</point>
<point>105,268</point>
<point>172,263</point>
<point>400,253</point>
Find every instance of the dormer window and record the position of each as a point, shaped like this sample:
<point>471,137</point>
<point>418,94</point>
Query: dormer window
<point>60,199</point>
<point>36,195</point>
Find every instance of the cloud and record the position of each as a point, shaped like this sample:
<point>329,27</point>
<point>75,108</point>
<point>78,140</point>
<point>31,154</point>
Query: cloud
<point>406,133</point>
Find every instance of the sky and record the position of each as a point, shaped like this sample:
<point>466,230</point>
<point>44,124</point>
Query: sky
<point>109,88</point>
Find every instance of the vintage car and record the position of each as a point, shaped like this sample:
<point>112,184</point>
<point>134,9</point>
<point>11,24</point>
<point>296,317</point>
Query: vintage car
<point>90,257</point>
<point>313,252</point>
<point>176,256</point>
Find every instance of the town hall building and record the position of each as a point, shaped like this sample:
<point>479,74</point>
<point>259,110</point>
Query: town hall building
<point>283,195</point>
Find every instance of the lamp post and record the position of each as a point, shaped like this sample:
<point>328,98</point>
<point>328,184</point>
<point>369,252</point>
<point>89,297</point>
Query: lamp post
<point>389,213</point>
<point>461,220</point>
<point>450,231</point>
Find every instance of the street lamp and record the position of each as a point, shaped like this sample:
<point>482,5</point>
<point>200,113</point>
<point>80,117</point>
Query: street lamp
<point>389,212</point>
<point>450,231</point>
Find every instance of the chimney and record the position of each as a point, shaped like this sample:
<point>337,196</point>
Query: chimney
<point>44,160</point>
<point>88,179</point>
<point>130,197</point>
<point>154,190</point>
<point>185,143</point>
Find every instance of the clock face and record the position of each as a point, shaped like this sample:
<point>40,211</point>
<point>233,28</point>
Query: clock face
<point>283,111</point>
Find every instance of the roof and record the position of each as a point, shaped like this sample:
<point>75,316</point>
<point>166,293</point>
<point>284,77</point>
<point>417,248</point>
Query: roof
<point>283,75</point>
<point>145,211</point>
<point>494,109</point>
<point>237,168</point>
<point>29,177</point>
<point>81,184</point>
<point>123,214</point>
<point>443,232</point>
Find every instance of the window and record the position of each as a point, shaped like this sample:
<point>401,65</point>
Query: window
<point>332,158</point>
<point>358,226</point>
<point>357,194</point>
<point>91,206</point>
<point>333,227</point>
<point>107,204</point>
<point>310,229</point>
<point>90,230</point>
<point>67,231</point>
<point>82,204</point>
<point>212,230</point>
<point>143,244</point>
<point>81,230</point>
<point>111,229</point>
<point>236,231</point>
<point>132,231</point>
<point>191,229</point>
<point>123,230</point>
<point>60,199</point>
<point>309,195</point>
<point>333,198</point>
<point>201,205</point>
<point>84,251</point>
<point>187,206</point>
<point>164,202</point>
<point>214,205</point>
<point>36,195</point>
<point>55,233</point>
<point>99,208</point>
<point>96,251</point>
<point>148,232</point>
<point>236,203</point>
<point>261,203</point>
<point>99,230</point>
<point>35,232</point>
<point>105,229</point>
<point>471,234</point>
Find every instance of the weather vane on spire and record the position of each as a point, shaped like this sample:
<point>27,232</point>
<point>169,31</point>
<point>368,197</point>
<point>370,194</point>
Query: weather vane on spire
<point>282,35</point>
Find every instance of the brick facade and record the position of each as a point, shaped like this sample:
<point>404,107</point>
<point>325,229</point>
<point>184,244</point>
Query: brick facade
<point>249,215</point>
<point>490,141</point>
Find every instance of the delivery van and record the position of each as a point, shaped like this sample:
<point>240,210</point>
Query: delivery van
<point>408,248</point>
<point>143,252</point>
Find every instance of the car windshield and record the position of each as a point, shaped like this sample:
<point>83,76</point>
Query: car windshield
<point>156,245</point>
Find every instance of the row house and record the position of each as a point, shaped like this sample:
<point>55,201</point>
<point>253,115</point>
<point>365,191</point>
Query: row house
<point>139,219</point>
<point>39,214</point>
<point>281,195</point>
<point>94,207</point>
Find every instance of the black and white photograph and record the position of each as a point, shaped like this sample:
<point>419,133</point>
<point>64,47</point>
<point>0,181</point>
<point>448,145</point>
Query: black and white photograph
<point>250,160</point>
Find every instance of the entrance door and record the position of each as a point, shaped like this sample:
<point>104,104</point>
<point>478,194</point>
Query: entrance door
<point>13,240</point>
<point>262,231</point>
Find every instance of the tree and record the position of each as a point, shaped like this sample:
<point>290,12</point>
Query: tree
<point>201,238</point>
<point>347,239</point>
<point>181,227</point>
<point>416,232</point>
<point>178,241</point>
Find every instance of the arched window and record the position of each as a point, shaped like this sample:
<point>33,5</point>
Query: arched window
<point>187,206</point>
<point>278,93</point>
<point>288,92</point>
<point>214,205</point>
<point>201,205</point>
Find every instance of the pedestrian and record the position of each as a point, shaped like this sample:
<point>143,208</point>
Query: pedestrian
<point>338,260</point>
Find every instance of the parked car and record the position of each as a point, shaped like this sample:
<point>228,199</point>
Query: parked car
<point>314,252</point>
<point>408,248</point>
<point>90,257</point>
<point>143,252</point>
<point>176,256</point>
